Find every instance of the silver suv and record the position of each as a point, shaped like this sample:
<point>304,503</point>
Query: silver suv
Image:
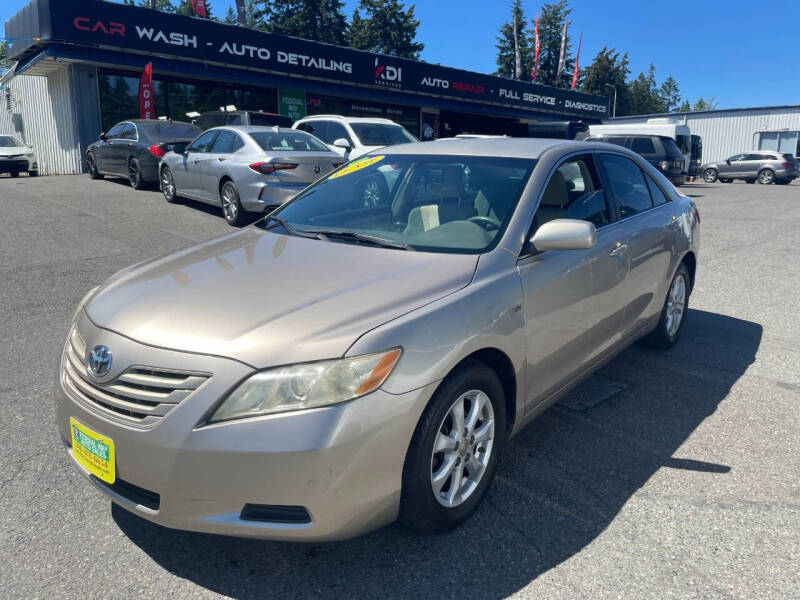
<point>761,166</point>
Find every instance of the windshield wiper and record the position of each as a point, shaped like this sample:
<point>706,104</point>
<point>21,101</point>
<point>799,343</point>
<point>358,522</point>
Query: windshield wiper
<point>361,237</point>
<point>291,228</point>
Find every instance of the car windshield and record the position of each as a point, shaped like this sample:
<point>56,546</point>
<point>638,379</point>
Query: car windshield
<point>433,203</point>
<point>169,130</point>
<point>287,141</point>
<point>381,134</point>
<point>9,141</point>
<point>269,119</point>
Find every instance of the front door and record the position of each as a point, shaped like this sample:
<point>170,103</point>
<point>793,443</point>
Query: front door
<point>102,151</point>
<point>733,167</point>
<point>573,298</point>
<point>188,174</point>
<point>214,167</point>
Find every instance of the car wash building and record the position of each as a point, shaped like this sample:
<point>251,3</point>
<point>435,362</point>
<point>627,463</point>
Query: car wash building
<point>79,63</point>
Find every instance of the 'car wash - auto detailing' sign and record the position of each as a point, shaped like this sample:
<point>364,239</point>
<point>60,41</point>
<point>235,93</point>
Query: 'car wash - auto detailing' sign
<point>154,32</point>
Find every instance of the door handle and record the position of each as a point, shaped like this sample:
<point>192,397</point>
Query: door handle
<point>618,248</point>
<point>221,158</point>
<point>195,161</point>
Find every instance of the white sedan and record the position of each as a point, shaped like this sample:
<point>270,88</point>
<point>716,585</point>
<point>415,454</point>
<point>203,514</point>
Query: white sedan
<point>16,157</point>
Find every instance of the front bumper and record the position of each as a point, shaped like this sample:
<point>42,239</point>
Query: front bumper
<point>261,197</point>
<point>343,464</point>
<point>18,164</point>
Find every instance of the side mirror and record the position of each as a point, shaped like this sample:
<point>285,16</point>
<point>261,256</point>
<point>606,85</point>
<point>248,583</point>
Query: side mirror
<point>103,137</point>
<point>728,161</point>
<point>342,143</point>
<point>565,234</point>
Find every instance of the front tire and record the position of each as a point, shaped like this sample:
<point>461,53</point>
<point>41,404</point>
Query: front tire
<point>673,314</point>
<point>91,166</point>
<point>231,206</point>
<point>453,455</point>
<point>168,186</point>
<point>710,175</point>
<point>135,175</point>
<point>766,176</point>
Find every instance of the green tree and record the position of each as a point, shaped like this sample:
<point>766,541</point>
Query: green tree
<point>506,51</point>
<point>608,68</point>
<point>185,8</point>
<point>702,104</point>
<point>164,5</point>
<point>551,24</point>
<point>686,106</point>
<point>386,27</point>
<point>230,16</point>
<point>5,62</point>
<point>670,94</point>
<point>319,20</point>
<point>645,96</point>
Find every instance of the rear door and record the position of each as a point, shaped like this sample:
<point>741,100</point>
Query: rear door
<point>647,229</point>
<point>219,154</point>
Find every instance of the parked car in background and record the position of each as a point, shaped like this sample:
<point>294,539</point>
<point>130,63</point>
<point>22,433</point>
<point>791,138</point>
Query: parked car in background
<point>761,166</point>
<point>217,118</point>
<point>352,137</point>
<point>337,367</point>
<point>675,129</point>
<point>17,157</point>
<point>132,149</point>
<point>245,169</point>
<point>659,151</point>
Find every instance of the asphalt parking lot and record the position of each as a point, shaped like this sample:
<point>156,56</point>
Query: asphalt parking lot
<point>684,483</point>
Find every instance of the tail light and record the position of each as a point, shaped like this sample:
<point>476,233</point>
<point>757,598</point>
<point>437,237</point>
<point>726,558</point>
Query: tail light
<point>265,168</point>
<point>157,151</point>
<point>787,165</point>
<point>663,165</point>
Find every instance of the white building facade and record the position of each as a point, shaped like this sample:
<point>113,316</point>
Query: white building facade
<point>728,132</point>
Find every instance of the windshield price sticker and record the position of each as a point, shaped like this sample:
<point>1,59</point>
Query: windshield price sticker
<point>357,166</point>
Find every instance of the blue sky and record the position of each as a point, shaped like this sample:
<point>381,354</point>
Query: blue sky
<point>741,52</point>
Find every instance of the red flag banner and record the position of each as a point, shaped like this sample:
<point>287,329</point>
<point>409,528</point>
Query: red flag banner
<point>199,8</point>
<point>146,104</point>
<point>535,48</point>
<point>577,60</point>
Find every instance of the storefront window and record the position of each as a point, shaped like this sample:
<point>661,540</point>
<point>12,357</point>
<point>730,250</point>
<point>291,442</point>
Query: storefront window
<point>119,98</point>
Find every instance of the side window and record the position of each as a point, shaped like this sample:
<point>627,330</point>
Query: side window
<point>656,193</point>
<point>224,143</point>
<point>335,132</point>
<point>315,128</point>
<point>203,143</point>
<point>573,192</point>
<point>128,132</point>
<point>114,132</point>
<point>737,158</point>
<point>643,145</point>
<point>238,144</point>
<point>627,183</point>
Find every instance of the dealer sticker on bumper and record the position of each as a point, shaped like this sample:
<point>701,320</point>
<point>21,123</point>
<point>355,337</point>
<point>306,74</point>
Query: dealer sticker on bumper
<point>95,452</point>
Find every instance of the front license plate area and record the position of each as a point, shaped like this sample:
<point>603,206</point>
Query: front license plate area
<point>94,451</point>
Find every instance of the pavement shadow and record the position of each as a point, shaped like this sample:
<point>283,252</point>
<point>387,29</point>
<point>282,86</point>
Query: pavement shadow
<point>561,482</point>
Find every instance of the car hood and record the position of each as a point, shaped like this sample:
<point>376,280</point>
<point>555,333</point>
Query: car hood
<point>267,299</point>
<point>14,150</point>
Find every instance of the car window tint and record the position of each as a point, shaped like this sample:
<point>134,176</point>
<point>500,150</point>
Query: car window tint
<point>115,131</point>
<point>203,143</point>
<point>643,145</point>
<point>573,192</point>
<point>755,157</point>
<point>335,132</point>
<point>128,132</point>
<point>656,193</point>
<point>736,158</point>
<point>627,183</point>
<point>224,143</point>
<point>238,144</point>
<point>234,119</point>
<point>315,128</point>
<point>287,141</point>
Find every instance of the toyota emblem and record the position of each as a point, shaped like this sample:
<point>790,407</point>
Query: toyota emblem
<point>98,361</point>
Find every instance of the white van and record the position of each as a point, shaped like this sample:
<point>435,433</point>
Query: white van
<point>667,127</point>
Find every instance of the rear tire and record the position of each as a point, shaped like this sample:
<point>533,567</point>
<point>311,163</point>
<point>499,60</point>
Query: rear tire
<point>766,176</point>
<point>710,175</point>
<point>673,313</point>
<point>231,206</point>
<point>135,175</point>
<point>91,166</point>
<point>168,186</point>
<point>443,484</point>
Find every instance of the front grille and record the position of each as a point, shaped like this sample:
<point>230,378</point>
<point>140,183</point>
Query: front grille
<point>141,395</point>
<point>16,165</point>
<point>270,513</point>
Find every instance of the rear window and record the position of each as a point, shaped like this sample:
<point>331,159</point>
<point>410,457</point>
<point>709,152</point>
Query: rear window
<point>169,130</point>
<point>619,141</point>
<point>257,118</point>
<point>287,141</point>
<point>788,157</point>
<point>671,148</point>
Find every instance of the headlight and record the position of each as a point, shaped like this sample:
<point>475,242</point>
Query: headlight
<point>83,301</point>
<point>308,385</point>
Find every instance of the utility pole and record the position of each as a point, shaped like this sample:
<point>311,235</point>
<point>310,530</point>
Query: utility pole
<point>614,109</point>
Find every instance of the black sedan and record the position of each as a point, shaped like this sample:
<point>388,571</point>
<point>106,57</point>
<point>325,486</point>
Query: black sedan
<point>132,149</point>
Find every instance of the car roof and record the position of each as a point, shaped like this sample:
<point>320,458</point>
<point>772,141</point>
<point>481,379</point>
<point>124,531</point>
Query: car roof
<point>148,121</point>
<point>506,147</point>
<point>257,128</point>
<point>350,119</point>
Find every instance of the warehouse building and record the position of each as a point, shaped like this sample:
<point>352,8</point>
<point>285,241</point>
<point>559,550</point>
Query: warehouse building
<point>79,64</point>
<point>725,133</point>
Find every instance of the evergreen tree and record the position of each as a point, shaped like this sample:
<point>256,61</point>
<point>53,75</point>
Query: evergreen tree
<point>686,106</point>
<point>608,67</point>
<point>645,96</point>
<point>163,5</point>
<point>506,54</point>
<point>230,16</point>
<point>670,94</point>
<point>5,62</point>
<point>319,20</point>
<point>386,27</point>
<point>702,104</point>
<point>551,25</point>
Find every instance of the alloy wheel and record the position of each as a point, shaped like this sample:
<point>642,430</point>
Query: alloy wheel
<point>710,175</point>
<point>90,166</point>
<point>229,206</point>
<point>167,185</point>
<point>766,176</point>
<point>676,302</point>
<point>462,448</point>
<point>133,173</point>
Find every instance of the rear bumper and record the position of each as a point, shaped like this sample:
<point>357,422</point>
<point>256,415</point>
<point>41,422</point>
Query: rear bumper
<point>261,197</point>
<point>342,464</point>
